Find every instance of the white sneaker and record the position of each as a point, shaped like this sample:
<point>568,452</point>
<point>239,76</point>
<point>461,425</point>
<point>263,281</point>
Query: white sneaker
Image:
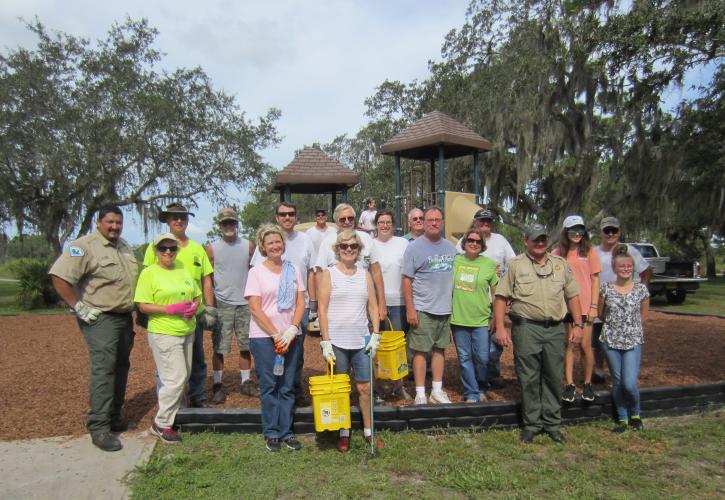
<point>420,399</point>
<point>439,397</point>
<point>483,398</point>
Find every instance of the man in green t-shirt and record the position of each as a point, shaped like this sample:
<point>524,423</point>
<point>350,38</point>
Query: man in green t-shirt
<point>193,258</point>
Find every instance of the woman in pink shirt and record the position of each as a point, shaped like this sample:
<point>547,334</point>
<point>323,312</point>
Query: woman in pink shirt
<point>577,249</point>
<point>276,294</point>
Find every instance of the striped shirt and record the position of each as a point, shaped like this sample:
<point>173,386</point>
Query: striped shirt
<point>347,314</point>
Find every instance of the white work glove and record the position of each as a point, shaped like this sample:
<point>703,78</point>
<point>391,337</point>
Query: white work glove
<point>210,316</point>
<point>373,345</point>
<point>286,337</point>
<point>86,313</point>
<point>327,351</point>
<point>312,317</point>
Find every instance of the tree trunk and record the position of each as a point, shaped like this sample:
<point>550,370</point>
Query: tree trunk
<point>709,254</point>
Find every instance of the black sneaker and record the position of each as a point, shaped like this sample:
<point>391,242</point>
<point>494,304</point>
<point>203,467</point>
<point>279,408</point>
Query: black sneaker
<point>292,443</point>
<point>219,396</point>
<point>569,393</point>
<point>106,441</point>
<point>588,393</point>
<point>636,423</point>
<point>273,444</point>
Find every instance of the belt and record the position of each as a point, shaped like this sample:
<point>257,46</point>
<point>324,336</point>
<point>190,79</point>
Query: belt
<point>518,320</point>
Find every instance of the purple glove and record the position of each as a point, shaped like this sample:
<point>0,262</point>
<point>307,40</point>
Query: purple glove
<point>179,308</point>
<point>190,311</point>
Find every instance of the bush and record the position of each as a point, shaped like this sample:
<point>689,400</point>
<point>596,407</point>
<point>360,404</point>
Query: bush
<point>36,290</point>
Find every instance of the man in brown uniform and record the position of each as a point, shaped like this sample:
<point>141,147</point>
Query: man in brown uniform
<point>96,276</point>
<point>540,287</point>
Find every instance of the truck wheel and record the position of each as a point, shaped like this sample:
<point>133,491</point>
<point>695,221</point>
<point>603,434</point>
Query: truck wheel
<point>676,296</point>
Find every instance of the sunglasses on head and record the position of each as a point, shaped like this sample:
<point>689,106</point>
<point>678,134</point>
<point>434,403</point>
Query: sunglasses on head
<point>165,248</point>
<point>610,230</point>
<point>345,246</point>
<point>286,214</point>
<point>346,219</point>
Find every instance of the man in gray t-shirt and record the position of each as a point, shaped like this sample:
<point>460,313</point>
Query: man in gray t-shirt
<point>427,290</point>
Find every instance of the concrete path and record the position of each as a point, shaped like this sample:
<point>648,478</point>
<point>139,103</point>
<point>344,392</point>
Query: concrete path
<point>66,467</point>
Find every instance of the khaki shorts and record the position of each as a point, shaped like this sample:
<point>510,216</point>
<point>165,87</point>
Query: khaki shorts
<point>433,330</point>
<point>231,319</point>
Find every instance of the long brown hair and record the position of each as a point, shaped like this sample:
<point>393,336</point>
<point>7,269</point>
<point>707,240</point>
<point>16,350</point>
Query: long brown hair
<point>564,244</point>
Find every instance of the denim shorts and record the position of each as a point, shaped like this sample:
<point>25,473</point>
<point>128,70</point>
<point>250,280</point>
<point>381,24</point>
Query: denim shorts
<point>360,362</point>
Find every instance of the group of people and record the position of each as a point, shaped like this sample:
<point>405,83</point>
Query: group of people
<point>357,281</point>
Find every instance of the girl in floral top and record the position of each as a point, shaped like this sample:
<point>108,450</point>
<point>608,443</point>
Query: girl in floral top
<point>623,307</point>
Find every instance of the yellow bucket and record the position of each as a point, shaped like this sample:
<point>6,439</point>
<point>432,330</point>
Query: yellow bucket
<point>391,360</point>
<point>331,401</point>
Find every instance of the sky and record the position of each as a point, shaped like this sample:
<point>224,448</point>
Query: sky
<point>314,60</point>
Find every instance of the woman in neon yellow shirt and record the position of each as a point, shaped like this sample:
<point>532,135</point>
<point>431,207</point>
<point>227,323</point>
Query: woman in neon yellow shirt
<point>170,297</point>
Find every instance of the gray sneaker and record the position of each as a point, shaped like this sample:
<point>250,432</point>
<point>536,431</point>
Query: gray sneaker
<point>106,441</point>
<point>250,388</point>
<point>219,395</point>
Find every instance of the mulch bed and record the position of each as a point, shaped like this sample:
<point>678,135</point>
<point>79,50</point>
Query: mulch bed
<point>43,370</point>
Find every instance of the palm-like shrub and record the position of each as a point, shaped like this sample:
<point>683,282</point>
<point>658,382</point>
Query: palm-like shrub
<point>36,290</point>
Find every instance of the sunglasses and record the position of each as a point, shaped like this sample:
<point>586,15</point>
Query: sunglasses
<point>474,241</point>
<point>610,230</point>
<point>164,249</point>
<point>346,219</point>
<point>573,231</point>
<point>178,217</point>
<point>317,216</point>
<point>345,246</point>
<point>286,214</point>
<point>416,219</point>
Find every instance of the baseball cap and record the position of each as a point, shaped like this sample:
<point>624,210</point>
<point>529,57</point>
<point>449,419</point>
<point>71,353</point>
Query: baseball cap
<point>609,222</point>
<point>227,214</point>
<point>533,232</point>
<point>164,236</point>
<point>573,220</point>
<point>484,213</point>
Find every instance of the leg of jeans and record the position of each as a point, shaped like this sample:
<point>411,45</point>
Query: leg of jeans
<point>480,343</point>
<point>263,352</point>
<point>286,391</point>
<point>630,373</point>
<point>171,358</point>
<point>462,337</point>
<point>494,357</point>
<point>614,360</point>
<point>123,364</point>
<point>552,371</point>
<point>197,380</point>
<point>527,360</point>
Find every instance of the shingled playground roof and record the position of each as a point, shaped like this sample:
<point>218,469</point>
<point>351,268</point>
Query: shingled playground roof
<point>421,139</point>
<point>312,171</point>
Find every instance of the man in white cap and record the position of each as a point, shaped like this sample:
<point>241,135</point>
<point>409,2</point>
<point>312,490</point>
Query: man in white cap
<point>230,255</point>
<point>321,229</point>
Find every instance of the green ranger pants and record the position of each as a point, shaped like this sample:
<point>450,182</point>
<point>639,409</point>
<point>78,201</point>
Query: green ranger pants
<point>109,340</point>
<point>539,360</point>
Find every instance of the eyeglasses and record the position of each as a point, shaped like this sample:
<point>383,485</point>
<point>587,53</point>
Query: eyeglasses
<point>345,246</point>
<point>164,249</point>
<point>574,231</point>
<point>416,219</point>
<point>610,230</point>
<point>179,216</point>
<point>384,223</point>
<point>286,214</point>
<point>474,241</point>
<point>346,219</point>
<point>625,267</point>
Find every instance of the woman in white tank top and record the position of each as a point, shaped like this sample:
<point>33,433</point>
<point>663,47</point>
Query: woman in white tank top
<point>346,299</point>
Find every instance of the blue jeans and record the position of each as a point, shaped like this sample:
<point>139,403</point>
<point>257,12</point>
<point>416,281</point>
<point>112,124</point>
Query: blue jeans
<point>396,315</point>
<point>276,393</point>
<point>355,358</point>
<point>472,349</point>
<point>494,357</point>
<point>624,368</point>
<point>301,359</point>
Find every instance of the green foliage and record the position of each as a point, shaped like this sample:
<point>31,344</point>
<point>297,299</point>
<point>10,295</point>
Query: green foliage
<point>32,246</point>
<point>35,288</point>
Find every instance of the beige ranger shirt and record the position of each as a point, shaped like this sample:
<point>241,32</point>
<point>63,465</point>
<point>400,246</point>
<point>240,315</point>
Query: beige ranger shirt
<point>538,291</point>
<point>103,275</point>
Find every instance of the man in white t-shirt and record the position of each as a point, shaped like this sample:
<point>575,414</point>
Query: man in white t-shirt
<point>321,229</point>
<point>611,232</point>
<point>344,217</point>
<point>499,249</point>
<point>367,217</point>
<point>300,251</point>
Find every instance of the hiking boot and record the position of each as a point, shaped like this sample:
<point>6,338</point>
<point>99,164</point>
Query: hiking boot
<point>636,423</point>
<point>420,399</point>
<point>292,443</point>
<point>219,396</point>
<point>106,441</point>
<point>588,393</point>
<point>569,393</point>
<point>273,445</point>
<point>439,397</point>
<point>400,393</point>
<point>123,425</point>
<point>378,442</point>
<point>165,434</point>
<point>198,403</point>
<point>343,444</point>
<point>249,388</point>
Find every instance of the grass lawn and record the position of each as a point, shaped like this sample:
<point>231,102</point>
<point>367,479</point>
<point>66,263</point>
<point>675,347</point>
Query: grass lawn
<point>678,457</point>
<point>709,298</point>
<point>8,304</point>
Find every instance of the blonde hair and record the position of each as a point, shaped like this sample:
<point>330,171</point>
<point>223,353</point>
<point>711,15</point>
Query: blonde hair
<point>265,231</point>
<point>346,236</point>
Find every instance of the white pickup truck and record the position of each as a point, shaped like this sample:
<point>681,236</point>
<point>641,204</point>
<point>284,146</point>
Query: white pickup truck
<point>673,279</point>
